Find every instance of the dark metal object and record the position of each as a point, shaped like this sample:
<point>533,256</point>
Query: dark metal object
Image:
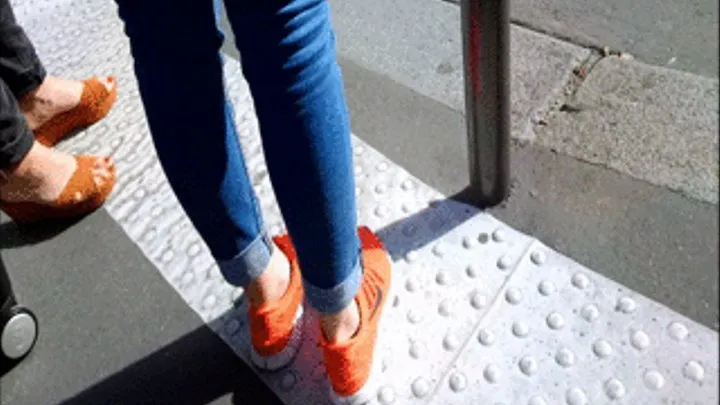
<point>486,56</point>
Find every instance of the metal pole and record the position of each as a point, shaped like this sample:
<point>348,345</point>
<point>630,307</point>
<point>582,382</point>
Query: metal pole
<point>486,54</point>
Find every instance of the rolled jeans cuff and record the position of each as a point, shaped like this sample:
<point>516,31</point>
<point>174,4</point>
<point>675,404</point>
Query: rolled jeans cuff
<point>248,264</point>
<point>335,299</point>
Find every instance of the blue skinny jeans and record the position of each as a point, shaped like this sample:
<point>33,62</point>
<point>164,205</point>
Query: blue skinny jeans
<point>289,60</point>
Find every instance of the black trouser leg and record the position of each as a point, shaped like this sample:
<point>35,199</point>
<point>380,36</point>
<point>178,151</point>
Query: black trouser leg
<point>20,72</point>
<point>16,139</point>
<point>20,66</point>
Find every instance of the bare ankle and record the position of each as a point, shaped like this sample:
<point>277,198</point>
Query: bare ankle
<point>341,326</point>
<point>272,283</point>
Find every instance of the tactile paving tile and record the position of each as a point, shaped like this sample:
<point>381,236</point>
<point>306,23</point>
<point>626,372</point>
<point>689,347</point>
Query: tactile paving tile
<point>480,313</point>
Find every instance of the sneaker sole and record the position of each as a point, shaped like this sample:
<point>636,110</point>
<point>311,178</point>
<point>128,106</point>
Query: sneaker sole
<point>369,391</point>
<point>287,355</point>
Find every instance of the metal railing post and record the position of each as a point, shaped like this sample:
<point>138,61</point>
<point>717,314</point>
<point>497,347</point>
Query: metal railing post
<point>486,59</point>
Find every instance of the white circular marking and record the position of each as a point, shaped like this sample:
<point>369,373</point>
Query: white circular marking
<point>694,371</point>
<point>576,396</point>
<point>472,271</point>
<point>478,300</point>
<point>381,188</point>
<point>555,321</point>
<point>386,396</point>
<point>565,357</point>
<point>492,373</point>
<point>654,380</point>
<point>602,349</point>
<point>504,263</point>
<point>420,387</point>
<point>640,340</point>
<point>528,365</point>
<point>439,250</point>
<point>513,296</point>
<point>486,338</point>
<point>590,312</point>
<point>382,166</point>
<point>407,185</point>
<point>520,329</point>
<point>580,281</point>
<point>458,382</point>
<point>614,389</point>
<point>546,288</point>
<point>678,331</point>
<point>538,258</point>
<point>626,305</point>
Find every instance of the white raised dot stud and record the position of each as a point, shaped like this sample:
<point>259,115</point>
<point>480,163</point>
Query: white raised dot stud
<point>602,349</point>
<point>417,350</point>
<point>626,305</point>
<point>537,400</point>
<point>546,288</point>
<point>590,312</point>
<point>504,263</point>
<point>538,258</point>
<point>492,373</point>
<point>640,340</point>
<point>472,271</point>
<point>420,387</point>
<point>478,300</point>
<point>499,235</point>
<point>520,329</point>
<point>386,396</point>
<point>694,371</point>
<point>565,357</point>
<point>555,321</point>
<point>513,296</point>
<point>444,309</point>
<point>654,380</point>
<point>458,382</point>
<point>528,365</point>
<point>614,389</point>
<point>486,338</point>
<point>580,281</point>
<point>678,331</point>
<point>576,396</point>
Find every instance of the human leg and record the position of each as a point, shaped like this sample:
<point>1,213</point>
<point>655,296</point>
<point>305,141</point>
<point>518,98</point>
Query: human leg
<point>289,60</point>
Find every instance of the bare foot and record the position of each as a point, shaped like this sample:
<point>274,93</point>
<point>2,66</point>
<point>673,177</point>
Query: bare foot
<point>54,96</point>
<point>43,175</point>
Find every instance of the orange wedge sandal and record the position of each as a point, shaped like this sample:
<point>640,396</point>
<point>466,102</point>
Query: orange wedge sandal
<point>95,104</point>
<point>80,196</point>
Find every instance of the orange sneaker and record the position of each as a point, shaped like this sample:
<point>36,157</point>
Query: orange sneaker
<point>275,327</point>
<point>352,366</point>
